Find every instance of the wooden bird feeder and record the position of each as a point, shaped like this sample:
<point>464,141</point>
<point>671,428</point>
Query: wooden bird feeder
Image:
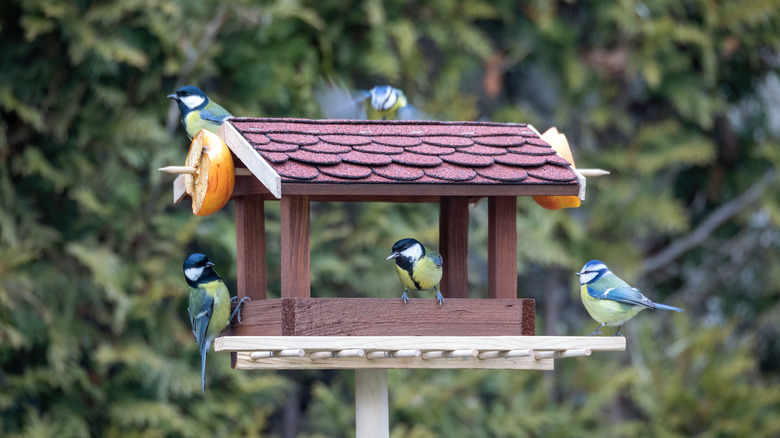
<point>297,161</point>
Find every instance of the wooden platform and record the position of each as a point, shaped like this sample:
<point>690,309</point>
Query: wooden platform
<point>385,317</point>
<point>358,352</point>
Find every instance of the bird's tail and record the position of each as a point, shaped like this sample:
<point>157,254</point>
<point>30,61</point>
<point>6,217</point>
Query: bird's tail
<point>665,307</point>
<point>204,350</point>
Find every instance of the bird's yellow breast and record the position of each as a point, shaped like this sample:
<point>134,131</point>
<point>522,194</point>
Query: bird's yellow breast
<point>607,312</point>
<point>425,273</point>
<point>221,313</point>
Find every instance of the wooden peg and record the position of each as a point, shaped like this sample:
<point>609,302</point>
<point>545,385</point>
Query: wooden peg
<point>591,173</point>
<point>319,355</point>
<point>519,353</point>
<point>355,352</point>
<point>179,170</point>
<point>561,354</point>
<point>256,355</point>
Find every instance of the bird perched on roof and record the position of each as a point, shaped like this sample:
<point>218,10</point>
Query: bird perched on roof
<point>198,111</point>
<point>382,102</point>
<point>610,300</point>
<point>417,268</point>
<point>209,305</point>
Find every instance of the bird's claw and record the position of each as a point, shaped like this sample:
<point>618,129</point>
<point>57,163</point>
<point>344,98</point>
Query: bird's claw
<point>596,332</point>
<point>237,311</point>
<point>404,298</point>
<point>439,297</point>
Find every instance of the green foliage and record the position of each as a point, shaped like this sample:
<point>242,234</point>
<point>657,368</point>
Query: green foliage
<point>675,98</point>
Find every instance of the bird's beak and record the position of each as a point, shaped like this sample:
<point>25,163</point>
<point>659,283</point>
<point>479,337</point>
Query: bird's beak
<point>578,273</point>
<point>173,96</point>
<point>209,264</point>
<point>393,255</point>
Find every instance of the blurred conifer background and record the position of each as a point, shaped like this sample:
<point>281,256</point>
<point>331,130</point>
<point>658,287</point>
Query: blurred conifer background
<point>679,99</point>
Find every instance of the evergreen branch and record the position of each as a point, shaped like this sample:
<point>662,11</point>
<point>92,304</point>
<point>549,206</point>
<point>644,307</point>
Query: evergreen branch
<point>705,229</point>
<point>193,56</point>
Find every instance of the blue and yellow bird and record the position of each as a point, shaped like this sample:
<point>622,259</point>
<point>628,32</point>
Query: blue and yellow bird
<point>610,300</point>
<point>209,305</point>
<point>382,102</point>
<point>417,268</point>
<point>198,111</point>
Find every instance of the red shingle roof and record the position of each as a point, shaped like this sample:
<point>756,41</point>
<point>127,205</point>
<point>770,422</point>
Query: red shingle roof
<point>421,152</point>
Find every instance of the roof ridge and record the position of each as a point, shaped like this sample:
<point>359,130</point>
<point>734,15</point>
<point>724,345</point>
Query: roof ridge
<point>372,122</point>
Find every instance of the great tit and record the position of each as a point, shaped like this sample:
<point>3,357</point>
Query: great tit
<point>610,300</point>
<point>417,268</point>
<point>198,111</point>
<point>382,102</point>
<point>209,305</point>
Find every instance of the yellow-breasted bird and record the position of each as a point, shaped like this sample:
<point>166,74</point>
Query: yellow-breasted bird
<point>382,102</point>
<point>209,305</point>
<point>198,111</point>
<point>417,268</point>
<point>610,300</point>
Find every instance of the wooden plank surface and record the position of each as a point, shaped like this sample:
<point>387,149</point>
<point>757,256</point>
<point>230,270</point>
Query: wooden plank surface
<point>295,229</point>
<point>388,316</point>
<point>502,247</point>
<point>259,316</point>
<point>454,246</point>
<point>250,247</point>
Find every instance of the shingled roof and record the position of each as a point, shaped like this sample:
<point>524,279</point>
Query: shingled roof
<point>296,155</point>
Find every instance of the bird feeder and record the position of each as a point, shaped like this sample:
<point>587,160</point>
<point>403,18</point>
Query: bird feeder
<point>298,161</point>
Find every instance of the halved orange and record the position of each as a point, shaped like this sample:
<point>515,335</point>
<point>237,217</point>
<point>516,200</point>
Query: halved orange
<point>212,184</point>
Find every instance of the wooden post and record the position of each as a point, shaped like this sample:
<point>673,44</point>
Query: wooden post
<point>371,406</point>
<point>250,247</point>
<point>502,247</point>
<point>296,280</point>
<point>453,245</point>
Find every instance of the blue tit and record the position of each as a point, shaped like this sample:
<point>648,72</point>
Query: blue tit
<point>209,305</point>
<point>380,103</point>
<point>384,102</point>
<point>610,300</point>
<point>198,111</point>
<point>417,268</point>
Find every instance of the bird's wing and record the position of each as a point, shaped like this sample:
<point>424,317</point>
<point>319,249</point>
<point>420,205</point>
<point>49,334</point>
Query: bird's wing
<point>339,102</point>
<point>410,112</point>
<point>436,257</point>
<point>201,310</point>
<point>215,114</point>
<point>625,295</point>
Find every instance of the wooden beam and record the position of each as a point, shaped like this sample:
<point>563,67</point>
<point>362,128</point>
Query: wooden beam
<point>386,316</point>
<point>453,245</point>
<point>295,229</point>
<point>260,316</point>
<point>251,159</point>
<point>380,190</point>
<point>502,247</point>
<point>250,247</point>
<point>371,406</point>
